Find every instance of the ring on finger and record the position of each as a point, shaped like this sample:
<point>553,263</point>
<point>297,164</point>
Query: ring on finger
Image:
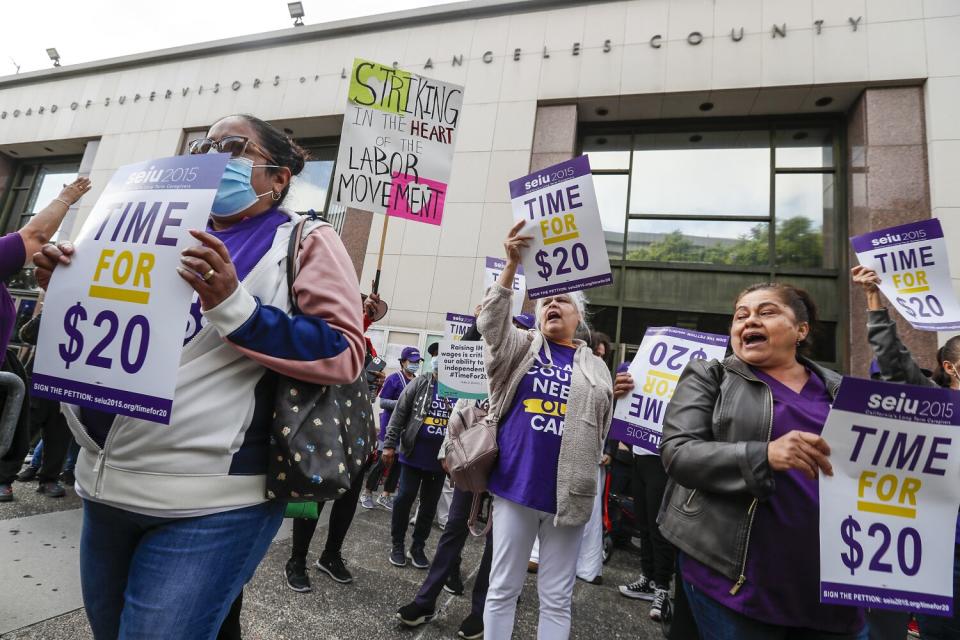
<point>207,275</point>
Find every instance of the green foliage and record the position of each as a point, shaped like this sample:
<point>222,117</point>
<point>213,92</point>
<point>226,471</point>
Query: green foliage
<point>797,245</point>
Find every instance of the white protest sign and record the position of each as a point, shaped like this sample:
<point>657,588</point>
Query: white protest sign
<point>914,271</point>
<point>568,251</point>
<point>888,515</point>
<point>113,320</point>
<point>456,325</point>
<point>462,373</point>
<point>656,369</point>
<point>396,146</point>
<point>494,267</point>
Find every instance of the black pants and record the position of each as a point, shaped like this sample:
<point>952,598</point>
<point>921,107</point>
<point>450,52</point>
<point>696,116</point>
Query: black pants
<point>377,473</point>
<point>46,419</point>
<point>341,517</point>
<point>657,556</point>
<point>448,557</point>
<point>429,484</point>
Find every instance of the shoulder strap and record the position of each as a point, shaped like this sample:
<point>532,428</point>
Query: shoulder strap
<point>293,254</point>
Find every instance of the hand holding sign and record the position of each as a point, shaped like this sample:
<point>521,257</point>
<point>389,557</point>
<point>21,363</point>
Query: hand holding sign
<point>912,270</point>
<point>566,249</point>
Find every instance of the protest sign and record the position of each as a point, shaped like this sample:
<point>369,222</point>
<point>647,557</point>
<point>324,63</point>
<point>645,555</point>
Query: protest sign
<point>663,354</point>
<point>492,273</point>
<point>462,373</point>
<point>457,324</point>
<point>559,206</point>
<point>113,320</point>
<point>914,271</point>
<point>888,514</point>
<point>396,145</point>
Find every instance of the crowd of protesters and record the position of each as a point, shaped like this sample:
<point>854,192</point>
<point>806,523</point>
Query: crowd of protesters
<point>176,520</point>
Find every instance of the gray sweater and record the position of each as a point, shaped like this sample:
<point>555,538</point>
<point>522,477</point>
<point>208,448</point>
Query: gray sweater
<point>509,353</point>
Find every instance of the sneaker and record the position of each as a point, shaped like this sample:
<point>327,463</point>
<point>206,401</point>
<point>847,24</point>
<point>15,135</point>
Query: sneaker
<point>532,567</point>
<point>386,502</point>
<point>597,580</point>
<point>68,478</point>
<point>297,578</point>
<point>332,565</point>
<point>366,501</point>
<point>6,493</point>
<point>656,609</point>
<point>27,474</point>
<point>52,489</point>
<point>419,558</point>
<point>398,558</point>
<point>642,589</point>
<point>454,583</point>
<point>413,615</point>
<point>471,628</point>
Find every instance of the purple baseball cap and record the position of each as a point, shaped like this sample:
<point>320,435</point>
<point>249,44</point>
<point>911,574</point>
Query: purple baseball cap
<point>410,353</point>
<point>525,320</point>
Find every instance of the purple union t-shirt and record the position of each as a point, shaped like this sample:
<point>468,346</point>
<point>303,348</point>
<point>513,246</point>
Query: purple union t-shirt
<point>393,386</point>
<point>12,257</point>
<point>783,560</point>
<point>431,434</point>
<point>530,432</point>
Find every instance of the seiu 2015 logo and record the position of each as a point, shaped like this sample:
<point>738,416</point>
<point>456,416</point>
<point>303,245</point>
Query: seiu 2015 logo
<point>898,404</point>
<point>895,238</point>
<point>536,182</point>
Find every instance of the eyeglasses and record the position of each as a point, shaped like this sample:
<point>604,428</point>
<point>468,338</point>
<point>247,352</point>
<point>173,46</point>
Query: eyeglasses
<point>236,146</point>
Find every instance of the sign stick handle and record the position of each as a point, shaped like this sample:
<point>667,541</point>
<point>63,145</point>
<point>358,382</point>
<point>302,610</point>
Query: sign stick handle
<point>383,244</point>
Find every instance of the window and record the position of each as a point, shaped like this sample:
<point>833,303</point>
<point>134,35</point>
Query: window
<point>311,188</point>
<point>693,212</point>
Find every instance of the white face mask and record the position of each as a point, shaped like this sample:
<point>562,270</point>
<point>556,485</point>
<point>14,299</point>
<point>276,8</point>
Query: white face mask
<point>413,368</point>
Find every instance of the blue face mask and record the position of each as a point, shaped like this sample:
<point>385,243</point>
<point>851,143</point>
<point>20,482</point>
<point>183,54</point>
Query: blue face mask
<point>235,193</point>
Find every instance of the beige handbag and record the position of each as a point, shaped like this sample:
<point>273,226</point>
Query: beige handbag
<point>471,453</point>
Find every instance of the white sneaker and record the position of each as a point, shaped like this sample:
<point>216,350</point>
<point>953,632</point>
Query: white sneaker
<point>366,501</point>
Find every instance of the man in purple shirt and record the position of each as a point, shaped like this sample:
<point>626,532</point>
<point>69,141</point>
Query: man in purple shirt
<point>15,249</point>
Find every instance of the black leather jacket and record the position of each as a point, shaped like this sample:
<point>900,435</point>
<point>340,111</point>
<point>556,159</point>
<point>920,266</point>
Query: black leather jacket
<point>714,448</point>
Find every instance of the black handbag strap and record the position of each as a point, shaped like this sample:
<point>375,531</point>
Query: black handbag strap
<point>293,254</point>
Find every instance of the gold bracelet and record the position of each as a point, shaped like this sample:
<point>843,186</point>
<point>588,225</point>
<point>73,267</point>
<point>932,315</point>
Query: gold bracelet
<point>64,202</point>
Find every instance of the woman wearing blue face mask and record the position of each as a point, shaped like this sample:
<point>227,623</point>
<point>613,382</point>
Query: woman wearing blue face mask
<point>394,385</point>
<point>175,517</point>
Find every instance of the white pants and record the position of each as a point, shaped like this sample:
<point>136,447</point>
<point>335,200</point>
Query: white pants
<point>443,506</point>
<point>590,560</point>
<point>514,531</point>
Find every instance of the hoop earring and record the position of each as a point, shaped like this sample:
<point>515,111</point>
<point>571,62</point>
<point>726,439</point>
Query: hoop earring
<point>276,195</point>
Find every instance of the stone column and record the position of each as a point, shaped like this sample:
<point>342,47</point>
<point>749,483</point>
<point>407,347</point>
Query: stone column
<point>355,233</point>
<point>889,184</point>
<point>554,135</point>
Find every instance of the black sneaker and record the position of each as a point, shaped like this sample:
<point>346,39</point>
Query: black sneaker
<point>52,489</point>
<point>27,474</point>
<point>659,599</point>
<point>454,583</point>
<point>68,478</point>
<point>419,559</point>
<point>413,615</point>
<point>398,558</point>
<point>598,580</point>
<point>333,566</point>
<point>297,578</point>
<point>471,628</point>
<point>642,589</point>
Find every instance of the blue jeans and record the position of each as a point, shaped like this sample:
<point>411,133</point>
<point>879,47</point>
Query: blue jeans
<point>37,454</point>
<point>173,578</point>
<point>717,622</point>
<point>937,628</point>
